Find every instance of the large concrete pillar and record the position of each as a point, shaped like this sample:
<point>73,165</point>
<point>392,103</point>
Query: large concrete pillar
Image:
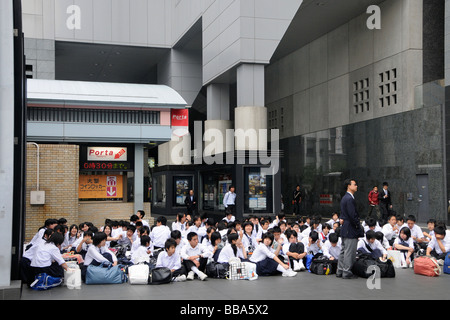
<point>138,177</point>
<point>218,120</point>
<point>6,138</point>
<point>250,113</point>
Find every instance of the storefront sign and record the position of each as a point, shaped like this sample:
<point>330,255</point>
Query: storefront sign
<point>326,200</point>
<point>180,122</point>
<point>106,154</point>
<point>100,187</point>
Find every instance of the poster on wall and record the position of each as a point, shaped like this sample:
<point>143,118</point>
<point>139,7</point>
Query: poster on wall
<point>100,187</point>
<point>257,191</point>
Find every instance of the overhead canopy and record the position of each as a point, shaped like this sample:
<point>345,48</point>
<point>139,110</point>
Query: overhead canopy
<point>102,94</point>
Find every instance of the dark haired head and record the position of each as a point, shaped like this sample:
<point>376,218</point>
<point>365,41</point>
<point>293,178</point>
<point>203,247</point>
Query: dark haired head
<point>334,238</point>
<point>145,240</point>
<point>214,237</point>
<point>406,232</point>
<point>170,243</point>
<point>370,235</point>
<point>175,234</point>
<point>56,238</point>
<point>314,236</point>
<point>268,235</point>
<point>98,238</point>
<point>191,235</point>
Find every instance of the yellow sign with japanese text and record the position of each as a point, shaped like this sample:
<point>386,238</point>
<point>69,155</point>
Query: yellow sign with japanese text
<point>100,187</point>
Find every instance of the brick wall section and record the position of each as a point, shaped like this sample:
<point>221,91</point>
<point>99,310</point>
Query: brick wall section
<point>58,177</point>
<point>97,212</point>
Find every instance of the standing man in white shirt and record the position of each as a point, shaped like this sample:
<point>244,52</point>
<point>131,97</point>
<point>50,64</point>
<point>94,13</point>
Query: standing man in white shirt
<point>229,201</point>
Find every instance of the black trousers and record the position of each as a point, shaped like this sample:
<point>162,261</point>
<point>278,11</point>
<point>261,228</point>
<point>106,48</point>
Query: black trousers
<point>54,270</point>
<point>188,264</point>
<point>296,248</point>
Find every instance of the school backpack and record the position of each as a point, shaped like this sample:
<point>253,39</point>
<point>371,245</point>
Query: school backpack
<point>216,270</point>
<point>45,282</point>
<point>447,264</point>
<point>321,265</point>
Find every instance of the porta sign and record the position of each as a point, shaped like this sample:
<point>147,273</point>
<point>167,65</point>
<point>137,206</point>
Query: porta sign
<point>106,154</point>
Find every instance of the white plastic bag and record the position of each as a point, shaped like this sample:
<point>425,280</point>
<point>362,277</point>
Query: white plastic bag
<point>397,258</point>
<point>138,274</point>
<point>72,278</point>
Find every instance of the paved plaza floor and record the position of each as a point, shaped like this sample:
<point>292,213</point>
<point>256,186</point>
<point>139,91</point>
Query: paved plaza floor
<point>305,286</point>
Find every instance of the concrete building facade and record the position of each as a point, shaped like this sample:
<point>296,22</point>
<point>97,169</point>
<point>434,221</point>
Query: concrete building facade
<point>347,99</point>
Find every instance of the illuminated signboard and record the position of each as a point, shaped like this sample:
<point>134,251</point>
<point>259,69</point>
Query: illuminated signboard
<point>107,154</point>
<point>100,187</point>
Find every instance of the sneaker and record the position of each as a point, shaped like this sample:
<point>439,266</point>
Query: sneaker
<point>202,276</point>
<point>180,278</point>
<point>296,266</point>
<point>440,262</point>
<point>302,266</point>
<point>289,273</point>
<point>190,275</point>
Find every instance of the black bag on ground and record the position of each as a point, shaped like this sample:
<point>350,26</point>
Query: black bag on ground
<point>216,270</point>
<point>362,269</point>
<point>321,265</point>
<point>160,276</point>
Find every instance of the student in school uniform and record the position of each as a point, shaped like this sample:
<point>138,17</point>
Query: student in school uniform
<point>248,237</point>
<point>332,247</point>
<point>180,223</point>
<point>143,252</point>
<point>142,231</point>
<point>391,229</point>
<point>405,244</point>
<point>267,261</point>
<point>431,224</point>
<point>26,271</point>
<point>439,245</point>
<point>233,249</point>
<point>195,257</point>
<point>196,226</point>
<point>312,243</point>
<point>176,235</point>
<point>97,253</point>
<point>372,246</point>
<point>170,258</point>
<point>160,233</point>
<point>48,259</point>
<point>371,224</point>
<point>333,220</point>
<point>325,233</point>
<point>141,214</point>
<point>416,233</point>
<point>71,237</point>
<point>83,243</point>
<point>48,224</point>
<point>295,251</point>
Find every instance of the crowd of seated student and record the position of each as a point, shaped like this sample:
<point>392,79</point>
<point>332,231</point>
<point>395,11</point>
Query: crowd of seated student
<point>276,246</point>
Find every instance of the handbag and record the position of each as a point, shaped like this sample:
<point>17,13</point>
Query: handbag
<point>105,273</point>
<point>138,273</point>
<point>160,276</point>
<point>216,270</point>
<point>321,265</point>
<point>427,266</point>
<point>45,282</point>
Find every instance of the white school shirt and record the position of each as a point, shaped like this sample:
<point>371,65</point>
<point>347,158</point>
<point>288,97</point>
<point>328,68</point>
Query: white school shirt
<point>262,252</point>
<point>227,253</point>
<point>139,253</point>
<point>166,261</point>
<point>388,232</point>
<point>45,254</point>
<point>159,235</point>
<point>330,251</point>
<point>434,245</point>
<point>246,240</point>
<point>187,251</point>
<point>232,219</point>
<point>410,242</point>
<point>95,253</point>
<point>331,222</point>
<point>416,232</point>
<point>29,254</point>
<point>314,248</point>
<point>177,225</point>
<point>37,236</point>
<point>375,245</point>
<point>229,199</point>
